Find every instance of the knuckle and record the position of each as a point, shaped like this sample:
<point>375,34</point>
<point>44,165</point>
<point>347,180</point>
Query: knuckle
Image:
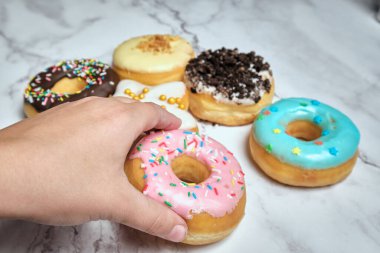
<point>158,224</point>
<point>92,102</point>
<point>90,99</point>
<point>103,108</point>
<point>115,111</point>
<point>152,106</point>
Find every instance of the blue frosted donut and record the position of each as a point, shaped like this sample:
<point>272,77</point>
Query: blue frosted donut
<point>337,143</point>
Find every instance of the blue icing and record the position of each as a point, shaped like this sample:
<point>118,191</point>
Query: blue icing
<point>338,142</point>
<point>333,151</point>
<point>317,119</point>
<point>325,132</point>
<point>273,109</point>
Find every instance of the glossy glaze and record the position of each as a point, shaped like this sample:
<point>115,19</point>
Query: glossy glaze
<point>338,141</point>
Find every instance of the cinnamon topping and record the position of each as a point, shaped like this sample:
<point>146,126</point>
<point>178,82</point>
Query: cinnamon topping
<point>157,44</point>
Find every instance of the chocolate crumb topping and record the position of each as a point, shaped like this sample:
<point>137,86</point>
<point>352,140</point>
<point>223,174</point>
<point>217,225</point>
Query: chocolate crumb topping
<point>227,74</point>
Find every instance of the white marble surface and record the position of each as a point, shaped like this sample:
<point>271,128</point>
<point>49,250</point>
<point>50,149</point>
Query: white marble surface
<point>329,50</point>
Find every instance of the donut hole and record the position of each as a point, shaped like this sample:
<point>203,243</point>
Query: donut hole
<point>69,85</point>
<point>189,169</point>
<point>303,130</point>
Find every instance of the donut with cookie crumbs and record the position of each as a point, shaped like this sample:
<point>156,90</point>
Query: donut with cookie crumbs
<point>229,87</point>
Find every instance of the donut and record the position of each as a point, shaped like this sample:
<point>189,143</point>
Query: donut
<point>228,87</point>
<point>303,142</point>
<point>68,81</point>
<point>195,176</point>
<point>172,96</point>
<point>152,59</point>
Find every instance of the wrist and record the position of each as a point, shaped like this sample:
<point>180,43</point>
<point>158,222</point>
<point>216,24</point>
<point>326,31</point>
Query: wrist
<point>12,205</point>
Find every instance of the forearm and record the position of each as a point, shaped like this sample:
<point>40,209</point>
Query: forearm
<point>24,180</point>
<point>12,204</point>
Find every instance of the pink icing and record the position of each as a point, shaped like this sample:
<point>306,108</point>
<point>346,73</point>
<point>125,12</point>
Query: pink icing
<point>217,195</point>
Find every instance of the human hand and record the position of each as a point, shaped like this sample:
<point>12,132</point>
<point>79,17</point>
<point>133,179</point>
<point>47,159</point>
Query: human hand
<point>65,166</point>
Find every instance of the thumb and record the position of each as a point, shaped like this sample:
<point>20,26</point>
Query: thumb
<point>147,215</point>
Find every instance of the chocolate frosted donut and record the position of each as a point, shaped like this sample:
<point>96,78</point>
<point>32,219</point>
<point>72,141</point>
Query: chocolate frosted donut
<point>98,80</point>
<point>229,87</point>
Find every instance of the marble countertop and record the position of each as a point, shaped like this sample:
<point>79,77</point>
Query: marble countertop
<point>329,50</point>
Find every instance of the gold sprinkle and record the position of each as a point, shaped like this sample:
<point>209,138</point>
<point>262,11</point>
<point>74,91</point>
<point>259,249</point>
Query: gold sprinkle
<point>141,96</point>
<point>178,100</point>
<point>145,90</point>
<point>132,94</point>
<point>171,100</point>
<point>181,106</point>
<point>127,91</point>
<point>162,106</point>
<point>162,97</point>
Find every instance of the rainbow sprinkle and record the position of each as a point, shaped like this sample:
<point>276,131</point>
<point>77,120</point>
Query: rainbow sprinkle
<point>226,180</point>
<point>296,151</point>
<point>333,151</point>
<point>168,203</point>
<point>317,119</point>
<point>89,70</point>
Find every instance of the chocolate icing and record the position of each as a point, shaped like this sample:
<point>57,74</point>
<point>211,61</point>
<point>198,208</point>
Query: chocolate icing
<point>100,78</point>
<point>230,74</point>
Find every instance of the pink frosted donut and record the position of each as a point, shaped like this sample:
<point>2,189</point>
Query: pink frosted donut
<point>195,176</point>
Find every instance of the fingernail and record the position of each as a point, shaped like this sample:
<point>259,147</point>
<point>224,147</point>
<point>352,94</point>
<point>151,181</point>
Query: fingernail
<point>177,234</point>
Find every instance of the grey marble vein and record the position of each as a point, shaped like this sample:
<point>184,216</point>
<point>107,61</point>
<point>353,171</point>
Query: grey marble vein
<point>329,50</point>
<point>14,49</point>
<point>183,25</point>
<point>51,10</point>
<point>367,161</point>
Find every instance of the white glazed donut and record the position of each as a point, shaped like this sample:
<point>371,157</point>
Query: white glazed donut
<point>162,95</point>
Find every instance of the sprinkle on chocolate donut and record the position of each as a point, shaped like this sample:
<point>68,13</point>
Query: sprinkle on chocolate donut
<point>100,81</point>
<point>230,76</point>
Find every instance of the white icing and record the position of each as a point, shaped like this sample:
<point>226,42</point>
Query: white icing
<point>172,89</point>
<point>220,97</point>
<point>265,74</point>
